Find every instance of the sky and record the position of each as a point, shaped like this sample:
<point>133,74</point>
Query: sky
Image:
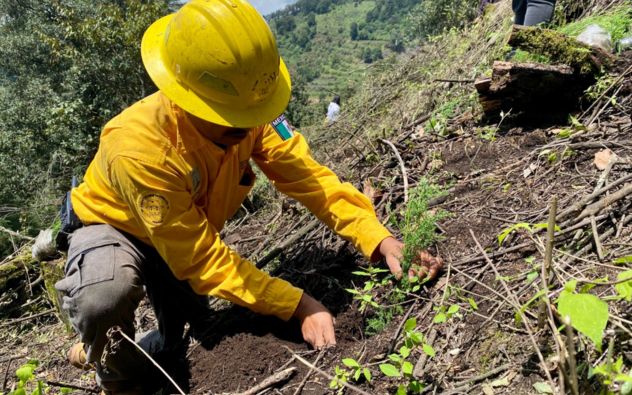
<point>267,6</point>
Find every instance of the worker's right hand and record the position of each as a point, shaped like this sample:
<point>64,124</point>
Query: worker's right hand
<point>317,323</point>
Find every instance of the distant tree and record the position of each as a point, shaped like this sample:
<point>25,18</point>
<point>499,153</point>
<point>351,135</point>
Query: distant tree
<point>311,20</point>
<point>354,31</point>
<point>66,68</point>
<point>396,43</point>
<point>285,24</point>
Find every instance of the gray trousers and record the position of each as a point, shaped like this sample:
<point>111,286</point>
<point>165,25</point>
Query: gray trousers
<point>533,12</point>
<point>107,273</point>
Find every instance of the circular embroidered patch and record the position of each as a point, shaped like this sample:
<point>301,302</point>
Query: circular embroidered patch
<point>154,208</point>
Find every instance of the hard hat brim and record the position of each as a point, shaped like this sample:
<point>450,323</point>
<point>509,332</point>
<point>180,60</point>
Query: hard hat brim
<point>218,113</point>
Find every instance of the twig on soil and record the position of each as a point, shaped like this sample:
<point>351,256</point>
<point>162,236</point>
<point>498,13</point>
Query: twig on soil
<point>595,232</point>
<point>299,389</point>
<point>399,328</point>
<point>401,165</point>
<point>421,363</point>
<point>16,234</point>
<point>572,364</point>
<point>269,382</point>
<point>6,375</point>
<point>18,320</point>
<point>324,374</point>
<point>279,248</point>
<point>516,305</point>
<point>548,259</point>
<point>605,202</point>
<point>71,386</point>
<point>139,348</point>
<point>460,386</point>
<point>618,80</point>
<point>587,199</point>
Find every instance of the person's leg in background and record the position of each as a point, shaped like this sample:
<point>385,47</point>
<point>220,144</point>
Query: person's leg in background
<point>102,288</point>
<point>520,9</point>
<point>538,12</point>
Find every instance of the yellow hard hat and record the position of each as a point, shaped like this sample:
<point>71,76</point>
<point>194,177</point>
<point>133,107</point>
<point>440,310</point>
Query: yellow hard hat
<point>218,60</point>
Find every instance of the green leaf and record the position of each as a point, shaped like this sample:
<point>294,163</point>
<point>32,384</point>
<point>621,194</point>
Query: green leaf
<point>367,374</point>
<point>429,350</point>
<point>624,289</point>
<point>587,313</point>
<point>356,375</point>
<point>440,318</point>
<point>25,372</point>
<point>531,277</point>
<point>407,368</point>
<point>472,303</point>
<point>389,370</point>
<point>543,388</point>
<point>350,362</point>
<point>404,352</point>
<point>395,358</point>
<point>410,324</point>
<point>401,390</point>
<point>623,260</point>
<point>362,274</point>
<point>626,388</point>
<point>415,387</point>
<point>416,338</point>
<point>453,309</point>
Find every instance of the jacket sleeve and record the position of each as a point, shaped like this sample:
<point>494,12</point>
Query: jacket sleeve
<point>286,160</point>
<point>180,232</point>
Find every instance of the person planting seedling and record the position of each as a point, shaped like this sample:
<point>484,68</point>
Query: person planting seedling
<point>172,168</point>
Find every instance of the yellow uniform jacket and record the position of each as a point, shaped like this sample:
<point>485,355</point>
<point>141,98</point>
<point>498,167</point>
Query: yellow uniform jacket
<point>155,177</point>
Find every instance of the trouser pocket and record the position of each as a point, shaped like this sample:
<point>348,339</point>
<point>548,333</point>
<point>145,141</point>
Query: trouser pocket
<point>88,264</point>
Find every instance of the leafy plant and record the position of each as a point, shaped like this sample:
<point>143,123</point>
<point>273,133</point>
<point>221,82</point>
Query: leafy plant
<point>445,313</point>
<point>613,373</point>
<point>353,371</point>
<point>27,382</point>
<point>400,366</point>
<point>365,296</point>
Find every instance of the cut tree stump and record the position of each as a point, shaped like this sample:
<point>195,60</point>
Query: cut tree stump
<point>530,87</point>
<point>542,89</point>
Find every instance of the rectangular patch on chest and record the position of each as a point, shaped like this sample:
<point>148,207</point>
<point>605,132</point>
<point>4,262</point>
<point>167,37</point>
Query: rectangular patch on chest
<point>283,128</point>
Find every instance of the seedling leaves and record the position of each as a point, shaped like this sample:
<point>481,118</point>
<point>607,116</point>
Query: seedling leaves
<point>429,350</point>
<point>389,370</point>
<point>623,260</point>
<point>350,362</point>
<point>587,313</point>
<point>624,289</point>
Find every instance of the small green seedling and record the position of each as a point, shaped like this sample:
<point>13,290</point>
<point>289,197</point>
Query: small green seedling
<point>445,313</point>
<point>400,367</point>
<point>353,371</point>
<point>365,295</point>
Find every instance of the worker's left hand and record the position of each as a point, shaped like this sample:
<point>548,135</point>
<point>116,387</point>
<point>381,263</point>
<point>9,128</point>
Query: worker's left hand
<point>424,266</point>
<point>317,323</point>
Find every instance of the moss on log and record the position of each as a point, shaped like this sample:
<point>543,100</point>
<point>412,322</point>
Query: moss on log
<point>52,272</point>
<point>560,48</point>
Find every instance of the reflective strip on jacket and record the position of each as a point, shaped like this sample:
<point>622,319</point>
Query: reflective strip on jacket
<point>155,177</point>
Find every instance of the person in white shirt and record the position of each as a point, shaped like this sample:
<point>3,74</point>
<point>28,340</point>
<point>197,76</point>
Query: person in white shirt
<point>333,111</point>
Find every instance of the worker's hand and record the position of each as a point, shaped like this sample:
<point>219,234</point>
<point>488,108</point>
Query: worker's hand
<point>424,266</point>
<point>317,323</point>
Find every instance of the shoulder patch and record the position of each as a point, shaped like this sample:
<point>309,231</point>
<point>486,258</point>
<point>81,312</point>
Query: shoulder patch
<point>154,208</point>
<point>283,128</point>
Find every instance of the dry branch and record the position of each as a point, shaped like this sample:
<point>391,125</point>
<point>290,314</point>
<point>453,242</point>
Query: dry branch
<point>276,378</point>
<point>401,165</point>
